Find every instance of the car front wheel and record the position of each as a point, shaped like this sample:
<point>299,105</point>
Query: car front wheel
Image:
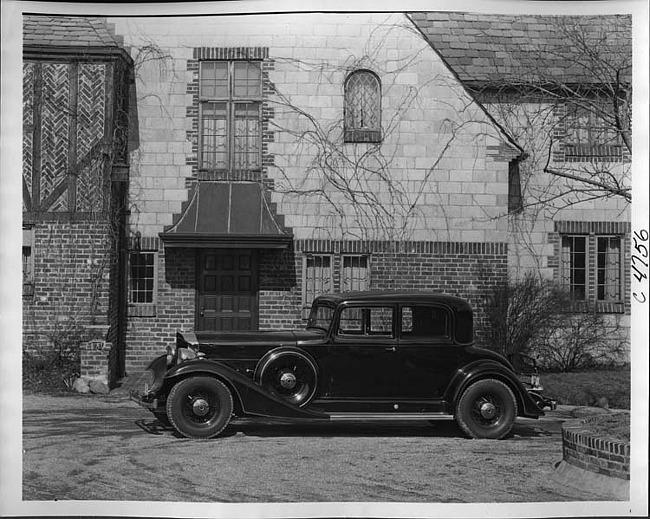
<point>487,409</point>
<point>199,407</point>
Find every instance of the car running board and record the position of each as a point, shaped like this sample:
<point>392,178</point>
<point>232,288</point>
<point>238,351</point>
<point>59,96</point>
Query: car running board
<point>401,417</point>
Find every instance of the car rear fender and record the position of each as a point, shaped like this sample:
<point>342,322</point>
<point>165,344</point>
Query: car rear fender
<point>252,398</point>
<point>482,369</point>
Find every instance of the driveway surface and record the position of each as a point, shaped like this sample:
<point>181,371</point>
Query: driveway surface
<point>108,448</point>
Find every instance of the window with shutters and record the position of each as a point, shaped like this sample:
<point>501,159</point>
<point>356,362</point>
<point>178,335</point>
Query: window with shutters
<point>317,277</point>
<point>354,273</point>
<point>230,114</point>
<point>362,107</point>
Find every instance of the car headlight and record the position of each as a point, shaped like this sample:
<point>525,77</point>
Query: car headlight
<point>171,354</point>
<point>186,354</point>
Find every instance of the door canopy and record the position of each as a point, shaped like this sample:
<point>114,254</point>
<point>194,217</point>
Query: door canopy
<point>227,214</point>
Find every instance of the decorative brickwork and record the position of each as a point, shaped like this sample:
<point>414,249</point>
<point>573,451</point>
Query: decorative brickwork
<point>584,450</point>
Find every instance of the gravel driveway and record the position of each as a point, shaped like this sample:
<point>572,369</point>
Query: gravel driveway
<point>108,448</point>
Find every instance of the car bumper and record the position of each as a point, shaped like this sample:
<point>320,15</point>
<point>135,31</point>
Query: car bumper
<point>146,400</point>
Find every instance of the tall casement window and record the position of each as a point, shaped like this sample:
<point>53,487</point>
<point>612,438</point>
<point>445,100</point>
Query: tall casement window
<point>362,107</point>
<point>230,115</point>
<point>608,268</point>
<point>317,277</point>
<point>591,268</point>
<point>354,273</point>
<point>589,136</point>
<point>574,266</point>
<point>142,282</point>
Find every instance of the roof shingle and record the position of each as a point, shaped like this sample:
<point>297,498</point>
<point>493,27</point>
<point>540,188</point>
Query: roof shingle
<point>68,31</point>
<point>505,49</point>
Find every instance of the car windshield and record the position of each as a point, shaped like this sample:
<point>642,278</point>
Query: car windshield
<point>320,316</point>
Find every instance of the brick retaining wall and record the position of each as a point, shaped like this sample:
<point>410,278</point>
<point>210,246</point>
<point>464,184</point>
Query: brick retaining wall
<point>584,450</point>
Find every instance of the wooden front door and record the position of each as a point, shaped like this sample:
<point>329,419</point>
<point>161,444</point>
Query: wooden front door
<point>227,290</point>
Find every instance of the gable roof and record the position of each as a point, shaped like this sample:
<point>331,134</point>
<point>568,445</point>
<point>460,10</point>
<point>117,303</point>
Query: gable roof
<point>503,49</point>
<point>68,32</point>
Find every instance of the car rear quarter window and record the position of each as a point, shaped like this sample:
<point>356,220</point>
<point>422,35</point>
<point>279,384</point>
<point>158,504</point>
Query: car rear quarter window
<point>424,321</point>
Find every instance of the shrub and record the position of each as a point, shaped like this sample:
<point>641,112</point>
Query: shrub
<point>520,312</point>
<point>536,317</point>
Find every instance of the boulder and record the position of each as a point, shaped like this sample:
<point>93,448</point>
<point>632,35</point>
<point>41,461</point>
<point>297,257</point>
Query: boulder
<point>80,386</point>
<point>98,387</point>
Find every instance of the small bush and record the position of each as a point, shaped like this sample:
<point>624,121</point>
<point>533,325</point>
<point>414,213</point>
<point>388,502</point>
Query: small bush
<point>55,369</point>
<point>48,373</point>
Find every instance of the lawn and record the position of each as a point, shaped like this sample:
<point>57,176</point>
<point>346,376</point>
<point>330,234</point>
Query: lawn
<point>601,388</point>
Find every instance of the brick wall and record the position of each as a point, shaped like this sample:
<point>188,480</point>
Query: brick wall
<point>72,263</point>
<point>469,270</point>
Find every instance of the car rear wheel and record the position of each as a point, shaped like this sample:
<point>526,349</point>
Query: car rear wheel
<point>487,409</point>
<point>199,407</point>
<point>288,374</point>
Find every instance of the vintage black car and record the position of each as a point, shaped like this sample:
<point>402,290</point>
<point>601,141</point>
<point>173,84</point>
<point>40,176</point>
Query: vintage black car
<point>362,356</point>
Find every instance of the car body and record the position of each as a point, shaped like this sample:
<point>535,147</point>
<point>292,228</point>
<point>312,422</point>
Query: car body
<point>363,356</point>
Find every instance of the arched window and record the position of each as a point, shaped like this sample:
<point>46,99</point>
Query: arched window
<point>362,107</point>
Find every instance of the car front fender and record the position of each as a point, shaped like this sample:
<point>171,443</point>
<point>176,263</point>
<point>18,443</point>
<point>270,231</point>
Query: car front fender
<point>254,399</point>
<point>482,369</point>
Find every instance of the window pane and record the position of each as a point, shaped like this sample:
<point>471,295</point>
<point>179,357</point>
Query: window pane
<point>381,321</point>
<point>247,81</point>
<point>362,101</point>
<point>142,277</point>
<point>214,79</point>
<point>214,136</point>
<point>425,321</point>
<point>351,321</point>
<point>354,275</point>
<point>318,277</point>
<point>247,136</point>
<point>608,269</point>
<point>574,265</point>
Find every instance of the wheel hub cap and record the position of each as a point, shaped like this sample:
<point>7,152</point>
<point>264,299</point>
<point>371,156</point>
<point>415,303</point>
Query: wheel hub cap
<point>488,410</point>
<point>288,380</point>
<point>200,407</point>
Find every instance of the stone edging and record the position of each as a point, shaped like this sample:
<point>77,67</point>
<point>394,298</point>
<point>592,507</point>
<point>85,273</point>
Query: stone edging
<point>585,451</point>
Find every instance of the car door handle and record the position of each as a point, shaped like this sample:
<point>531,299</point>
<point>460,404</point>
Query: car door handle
<point>389,348</point>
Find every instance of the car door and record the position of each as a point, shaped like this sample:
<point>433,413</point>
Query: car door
<point>427,355</point>
<point>362,356</point>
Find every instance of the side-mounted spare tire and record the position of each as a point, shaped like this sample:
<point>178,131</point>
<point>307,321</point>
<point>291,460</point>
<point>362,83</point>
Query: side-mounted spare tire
<point>289,374</point>
<point>487,409</point>
<point>199,407</point>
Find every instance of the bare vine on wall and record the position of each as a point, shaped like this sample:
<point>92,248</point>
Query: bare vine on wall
<point>372,191</point>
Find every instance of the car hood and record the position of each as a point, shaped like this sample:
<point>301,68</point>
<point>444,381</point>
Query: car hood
<point>267,338</point>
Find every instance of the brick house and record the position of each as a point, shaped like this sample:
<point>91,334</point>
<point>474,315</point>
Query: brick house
<point>282,156</point>
<point>76,78</point>
<point>316,153</point>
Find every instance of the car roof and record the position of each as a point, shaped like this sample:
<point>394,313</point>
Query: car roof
<point>397,296</point>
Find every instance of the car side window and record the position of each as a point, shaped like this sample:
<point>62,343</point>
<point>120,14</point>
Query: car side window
<point>419,321</point>
<point>366,322</point>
